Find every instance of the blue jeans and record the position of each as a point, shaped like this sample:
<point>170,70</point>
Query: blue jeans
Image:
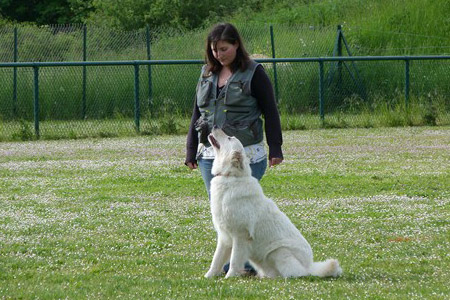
<point>205,166</point>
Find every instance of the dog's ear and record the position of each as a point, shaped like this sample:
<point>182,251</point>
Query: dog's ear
<point>237,159</point>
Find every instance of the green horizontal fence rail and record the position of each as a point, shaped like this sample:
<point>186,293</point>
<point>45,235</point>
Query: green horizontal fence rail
<point>37,66</point>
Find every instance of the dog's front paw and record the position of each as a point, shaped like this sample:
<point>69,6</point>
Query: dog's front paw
<point>232,273</point>
<point>211,274</point>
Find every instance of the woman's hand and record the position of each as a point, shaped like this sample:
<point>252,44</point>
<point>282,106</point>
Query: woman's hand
<point>275,161</point>
<point>191,165</point>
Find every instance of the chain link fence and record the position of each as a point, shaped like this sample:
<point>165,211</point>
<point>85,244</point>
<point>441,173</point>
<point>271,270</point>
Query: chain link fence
<point>99,100</point>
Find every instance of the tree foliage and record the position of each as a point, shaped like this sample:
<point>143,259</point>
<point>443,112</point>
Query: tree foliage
<point>182,14</point>
<point>124,14</point>
<point>44,11</point>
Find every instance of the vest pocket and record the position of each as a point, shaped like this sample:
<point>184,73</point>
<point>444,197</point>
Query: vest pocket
<point>247,132</point>
<point>236,93</point>
<point>203,93</point>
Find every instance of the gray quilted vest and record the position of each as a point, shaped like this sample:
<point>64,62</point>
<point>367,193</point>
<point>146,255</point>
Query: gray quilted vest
<point>234,109</point>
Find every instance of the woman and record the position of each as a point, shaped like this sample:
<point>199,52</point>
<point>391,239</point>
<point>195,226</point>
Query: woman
<point>232,93</point>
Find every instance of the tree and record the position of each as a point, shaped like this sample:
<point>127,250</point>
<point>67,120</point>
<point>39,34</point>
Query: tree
<point>182,14</point>
<point>124,14</point>
<point>45,11</point>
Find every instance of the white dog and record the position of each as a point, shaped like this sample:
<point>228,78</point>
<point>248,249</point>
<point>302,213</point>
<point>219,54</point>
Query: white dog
<point>249,226</point>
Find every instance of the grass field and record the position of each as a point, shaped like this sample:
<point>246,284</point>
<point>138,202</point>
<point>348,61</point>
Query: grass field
<point>124,218</point>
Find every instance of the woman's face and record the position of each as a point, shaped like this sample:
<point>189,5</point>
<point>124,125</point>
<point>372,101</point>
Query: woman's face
<point>224,52</point>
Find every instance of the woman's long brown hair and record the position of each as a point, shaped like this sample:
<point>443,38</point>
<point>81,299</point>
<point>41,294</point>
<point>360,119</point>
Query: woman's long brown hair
<point>228,33</point>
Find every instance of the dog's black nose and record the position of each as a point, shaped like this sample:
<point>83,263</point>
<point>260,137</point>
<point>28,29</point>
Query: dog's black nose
<point>215,127</point>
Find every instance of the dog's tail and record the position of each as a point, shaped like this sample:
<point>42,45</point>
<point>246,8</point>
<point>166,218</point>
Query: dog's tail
<point>328,268</point>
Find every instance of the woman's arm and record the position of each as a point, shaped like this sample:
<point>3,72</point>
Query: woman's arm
<point>192,140</point>
<point>262,90</point>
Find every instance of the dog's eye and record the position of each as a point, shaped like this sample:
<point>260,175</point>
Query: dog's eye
<point>229,138</point>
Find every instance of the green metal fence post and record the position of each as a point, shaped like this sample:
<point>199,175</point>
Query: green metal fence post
<point>275,76</point>
<point>321,90</point>
<point>36,101</point>
<point>339,53</point>
<point>406,83</point>
<point>84,72</point>
<point>150,91</point>
<point>137,111</point>
<point>16,54</point>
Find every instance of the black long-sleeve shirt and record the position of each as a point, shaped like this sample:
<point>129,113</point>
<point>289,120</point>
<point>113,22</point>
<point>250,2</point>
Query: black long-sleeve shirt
<point>262,91</point>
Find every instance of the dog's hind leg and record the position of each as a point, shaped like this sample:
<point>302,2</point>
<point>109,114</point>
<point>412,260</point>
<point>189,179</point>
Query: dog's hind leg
<point>239,255</point>
<point>266,270</point>
<point>286,263</point>
<point>221,256</point>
